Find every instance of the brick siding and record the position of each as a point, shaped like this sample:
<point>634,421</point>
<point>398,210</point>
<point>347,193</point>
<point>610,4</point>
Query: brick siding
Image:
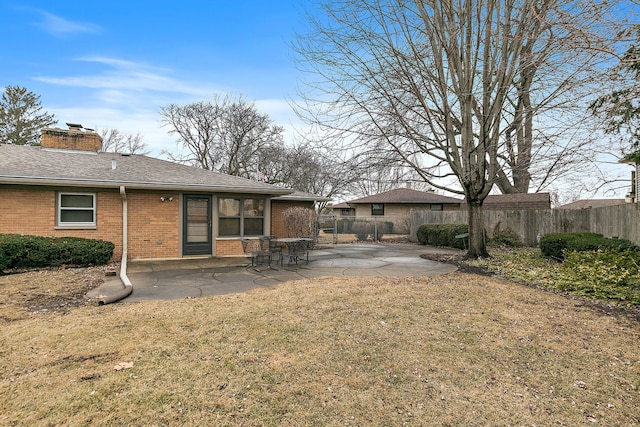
<point>71,140</point>
<point>153,225</point>
<point>228,247</point>
<point>33,212</point>
<point>277,209</point>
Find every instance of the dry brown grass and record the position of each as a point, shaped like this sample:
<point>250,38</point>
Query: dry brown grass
<point>453,350</point>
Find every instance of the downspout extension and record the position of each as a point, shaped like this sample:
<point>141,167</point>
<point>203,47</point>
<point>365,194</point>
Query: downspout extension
<point>128,287</point>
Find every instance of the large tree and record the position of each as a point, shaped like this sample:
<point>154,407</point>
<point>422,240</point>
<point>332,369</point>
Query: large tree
<point>444,87</point>
<point>225,135</point>
<point>621,107</point>
<point>22,117</point>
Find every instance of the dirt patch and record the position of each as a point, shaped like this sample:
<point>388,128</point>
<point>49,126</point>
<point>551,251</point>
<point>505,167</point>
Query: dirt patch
<point>458,261</point>
<point>51,290</point>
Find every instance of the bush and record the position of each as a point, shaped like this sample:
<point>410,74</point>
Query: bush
<point>556,244</point>
<point>362,230</point>
<point>19,251</point>
<point>299,221</point>
<point>505,237</point>
<point>442,235</point>
<point>603,274</point>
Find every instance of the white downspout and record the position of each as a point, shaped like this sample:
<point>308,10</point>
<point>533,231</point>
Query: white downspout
<point>128,287</point>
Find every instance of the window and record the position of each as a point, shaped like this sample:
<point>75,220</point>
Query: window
<point>76,209</point>
<point>377,209</point>
<point>240,217</point>
<point>345,212</point>
<point>436,207</point>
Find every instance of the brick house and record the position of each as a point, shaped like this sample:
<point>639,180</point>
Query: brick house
<point>396,203</point>
<point>159,209</point>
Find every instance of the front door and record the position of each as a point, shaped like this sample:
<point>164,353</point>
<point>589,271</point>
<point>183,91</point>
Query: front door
<point>197,225</point>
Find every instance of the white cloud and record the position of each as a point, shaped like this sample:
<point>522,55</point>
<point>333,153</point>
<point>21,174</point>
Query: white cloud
<point>60,27</point>
<point>128,96</point>
<point>130,76</point>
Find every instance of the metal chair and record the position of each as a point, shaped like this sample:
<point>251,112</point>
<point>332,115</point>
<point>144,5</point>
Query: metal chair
<point>253,248</point>
<point>273,249</point>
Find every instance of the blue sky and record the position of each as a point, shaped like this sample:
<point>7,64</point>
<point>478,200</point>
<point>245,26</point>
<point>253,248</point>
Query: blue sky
<point>114,64</point>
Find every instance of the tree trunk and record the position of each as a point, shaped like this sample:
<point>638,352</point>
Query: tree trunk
<point>477,244</point>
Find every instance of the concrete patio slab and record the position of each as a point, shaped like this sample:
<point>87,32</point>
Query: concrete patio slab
<point>192,278</point>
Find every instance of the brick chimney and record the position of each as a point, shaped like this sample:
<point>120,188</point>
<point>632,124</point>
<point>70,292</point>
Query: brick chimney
<point>75,138</point>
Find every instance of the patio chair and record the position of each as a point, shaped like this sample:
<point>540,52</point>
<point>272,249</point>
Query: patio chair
<point>253,248</point>
<point>273,249</point>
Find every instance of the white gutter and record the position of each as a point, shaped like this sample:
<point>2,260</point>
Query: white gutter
<point>142,185</point>
<point>128,287</point>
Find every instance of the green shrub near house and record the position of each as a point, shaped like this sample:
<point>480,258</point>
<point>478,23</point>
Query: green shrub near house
<point>442,235</point>
<point>21,251</point>
<point>556,245</point>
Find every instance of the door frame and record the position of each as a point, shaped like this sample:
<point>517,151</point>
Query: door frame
<point>197,248</point>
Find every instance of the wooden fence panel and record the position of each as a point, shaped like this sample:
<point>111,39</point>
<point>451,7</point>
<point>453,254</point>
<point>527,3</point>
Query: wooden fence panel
<point>621,221</point>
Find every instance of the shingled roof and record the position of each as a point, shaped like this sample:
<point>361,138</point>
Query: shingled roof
<point>304,197</point>
<point>407,196</point>
<point>592,203</point>
<point>517,201</point>
<point>41,166</point>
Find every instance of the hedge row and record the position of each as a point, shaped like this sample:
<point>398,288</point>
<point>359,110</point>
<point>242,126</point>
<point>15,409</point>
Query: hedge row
<point>556,244</point>
<point>442,235</point>
<point>19,251</point>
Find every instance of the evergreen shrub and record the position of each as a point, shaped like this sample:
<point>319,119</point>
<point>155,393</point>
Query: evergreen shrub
<point>22,251</point>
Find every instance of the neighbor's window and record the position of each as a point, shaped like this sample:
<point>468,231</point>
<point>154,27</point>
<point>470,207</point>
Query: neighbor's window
<point>77,209</point>
<point>436,207</point>
<point>377,209</point>
<point>240,217</point>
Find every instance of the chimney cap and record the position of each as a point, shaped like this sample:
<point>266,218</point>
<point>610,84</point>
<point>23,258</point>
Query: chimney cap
<point>74,126</point>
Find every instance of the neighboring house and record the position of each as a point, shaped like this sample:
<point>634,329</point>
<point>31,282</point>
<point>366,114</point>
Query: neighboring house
<point>403,200</point>
<point>592,203</point>
<point>342,210</point>
<point>397,203</point>
<point>159,209</point>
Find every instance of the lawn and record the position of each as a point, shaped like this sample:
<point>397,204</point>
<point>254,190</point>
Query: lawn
<point>459,349</point>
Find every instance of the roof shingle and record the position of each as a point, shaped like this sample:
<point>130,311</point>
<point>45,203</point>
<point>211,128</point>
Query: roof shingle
<point>39,166</point>
<point>407,196</point>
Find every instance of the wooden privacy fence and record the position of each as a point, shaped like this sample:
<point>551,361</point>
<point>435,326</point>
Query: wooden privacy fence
<point>621,221</point>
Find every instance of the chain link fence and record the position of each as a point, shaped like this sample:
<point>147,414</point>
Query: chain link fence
<point>332,229</point>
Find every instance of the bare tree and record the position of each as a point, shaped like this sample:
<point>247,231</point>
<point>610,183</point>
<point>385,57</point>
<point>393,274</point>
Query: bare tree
<point>437,85</point>
<point>113,140</point>
<point>307,169</point>
<point>226,135</point>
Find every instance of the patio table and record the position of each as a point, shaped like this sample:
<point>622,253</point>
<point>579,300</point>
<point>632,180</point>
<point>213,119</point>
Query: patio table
<point>297,248</point>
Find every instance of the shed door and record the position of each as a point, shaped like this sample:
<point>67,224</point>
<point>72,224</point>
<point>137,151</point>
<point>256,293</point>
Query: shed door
<point>197,225</point>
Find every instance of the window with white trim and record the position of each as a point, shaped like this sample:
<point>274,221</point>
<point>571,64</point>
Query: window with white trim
<point>377,209</point>
<point>77,209</point>
<point>240,216</point>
